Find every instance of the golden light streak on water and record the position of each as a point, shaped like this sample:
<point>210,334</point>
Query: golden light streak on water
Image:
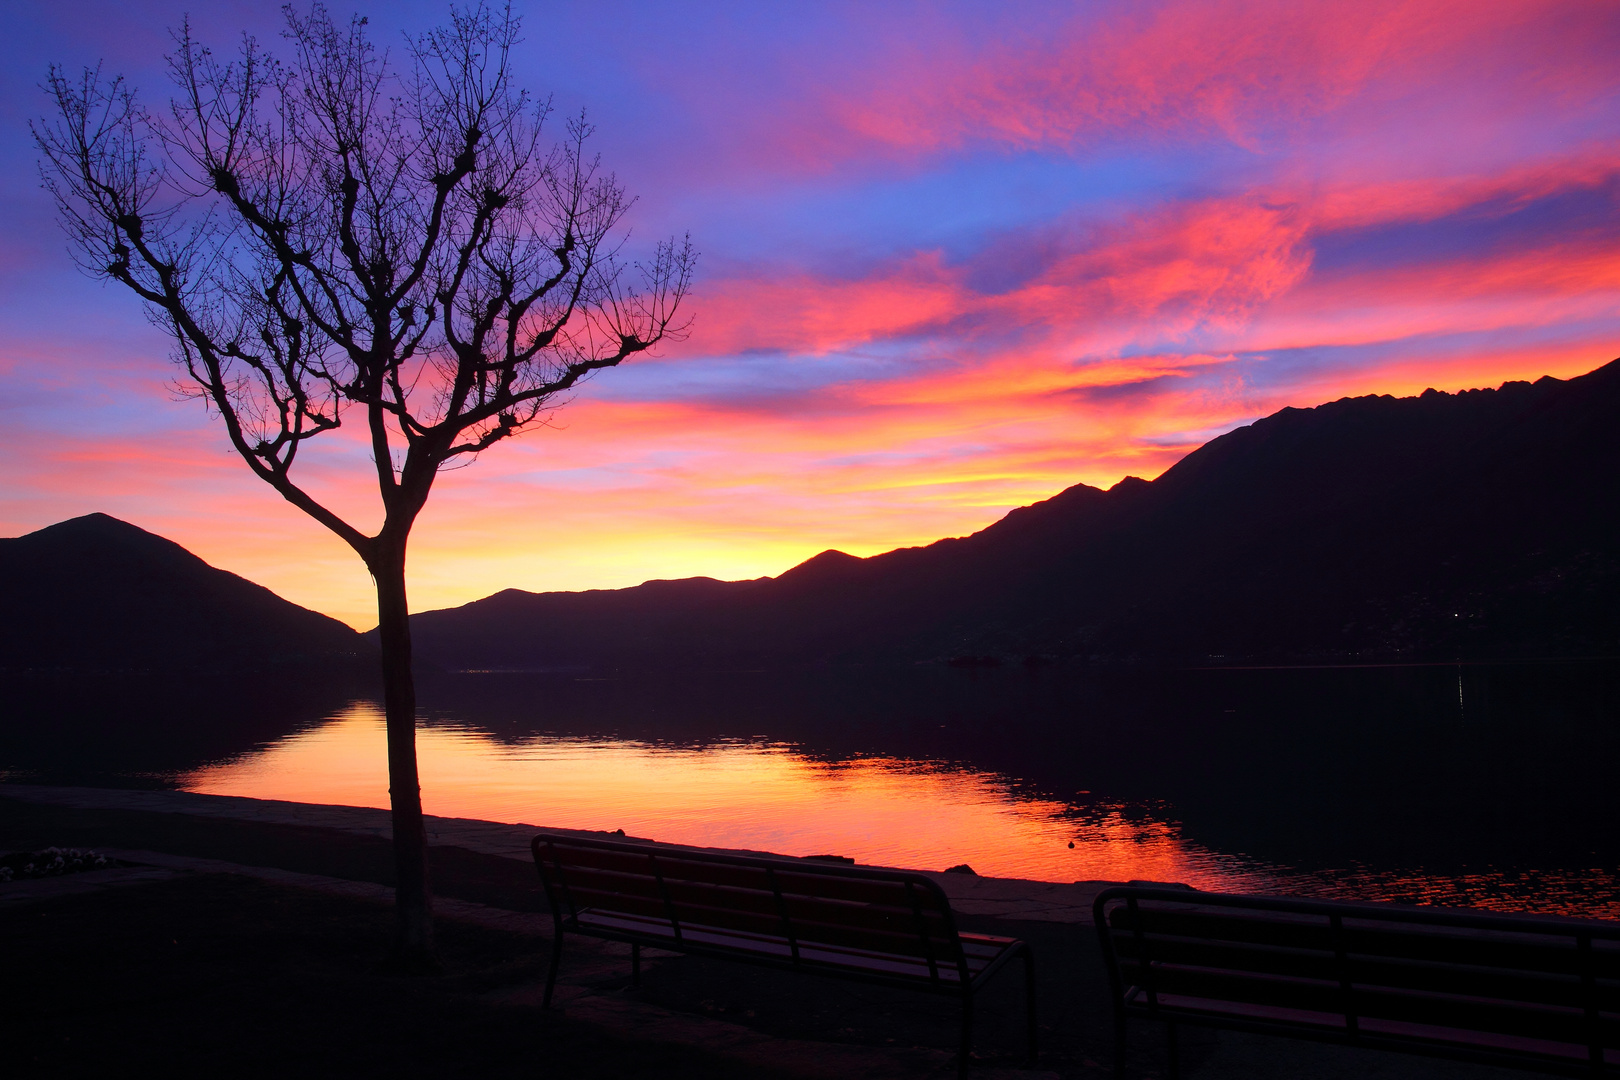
<point>766,796</point>
<point>754,795</point>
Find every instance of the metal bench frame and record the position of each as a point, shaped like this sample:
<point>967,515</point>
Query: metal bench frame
<point>1477,968</point>
<point>730,928</point>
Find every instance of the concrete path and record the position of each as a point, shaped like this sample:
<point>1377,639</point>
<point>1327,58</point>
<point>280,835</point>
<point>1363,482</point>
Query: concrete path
<point>590,985</point>
<point>580,992</point>
<point>1005,898</point>
<point>14,894</point>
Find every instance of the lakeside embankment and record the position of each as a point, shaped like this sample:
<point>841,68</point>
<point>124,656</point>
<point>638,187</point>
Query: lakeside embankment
<point>1000,898</point>
<point>247,941</point>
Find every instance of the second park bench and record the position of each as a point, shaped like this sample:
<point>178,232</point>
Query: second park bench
<point>876,926</point>
<point>1527,992</point>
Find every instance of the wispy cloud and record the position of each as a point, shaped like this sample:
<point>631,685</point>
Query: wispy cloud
<point>955,259</point>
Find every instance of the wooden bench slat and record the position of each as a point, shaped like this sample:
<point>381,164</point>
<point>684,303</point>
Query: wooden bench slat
<point>641,905</point>
<point>898,939</point>
<point>1525,989</point>
<point>885,926</point>
<point>858,890</point>
<point>709,894</point>
<point>1186,1006</point>
<point>1573,1051</point>
<point>1461,945</point>
<point>1295,933</point>
<point>1466,948</point>
<point>1253,988</point>
<point>675,868</point>
<point>792,882</point>
<point>1455,1011</point>
<point>855,915</point>
<point>1558,1024</point>
<point>824,955</point>
<point>841,915</point>
<point>797,905</point>
<point>1245,1010</point>
<point>889,932</point>
<point>843,912</point>
<point>1272,959</point>
<point>599,859</point>
<point>1528,987</point>
<point>1518,984</point>
<point>696,933</point>
<point>613,881</point>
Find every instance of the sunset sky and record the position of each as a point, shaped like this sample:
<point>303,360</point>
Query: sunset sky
<point>955,258</point>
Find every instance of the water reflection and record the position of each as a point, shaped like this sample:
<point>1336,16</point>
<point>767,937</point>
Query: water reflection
<point>1486,785</point>
<point>752,794</point>
<point>760,794</point>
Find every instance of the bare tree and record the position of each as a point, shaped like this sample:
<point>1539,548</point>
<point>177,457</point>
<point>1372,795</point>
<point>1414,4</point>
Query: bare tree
<point>333,236</point>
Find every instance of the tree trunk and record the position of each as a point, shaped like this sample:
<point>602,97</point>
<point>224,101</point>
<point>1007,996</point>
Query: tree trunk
<point>414,951</point>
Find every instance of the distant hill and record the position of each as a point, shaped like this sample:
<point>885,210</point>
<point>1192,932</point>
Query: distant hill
<point>1483,524</point>
<point>98,594</point>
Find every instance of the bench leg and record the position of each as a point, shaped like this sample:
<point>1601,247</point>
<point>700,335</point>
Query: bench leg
<point>551,976</point>
<point>635,964</point>
<point>1175,1051</point>
<point>1029,1004</point>
<point>967,1035</point>
<point>1119,1043</point>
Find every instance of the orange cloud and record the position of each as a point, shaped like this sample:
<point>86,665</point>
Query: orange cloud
<point>1343,223</point>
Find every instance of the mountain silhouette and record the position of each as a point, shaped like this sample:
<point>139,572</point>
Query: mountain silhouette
<point>1482,524</point>
<point>98,594</point>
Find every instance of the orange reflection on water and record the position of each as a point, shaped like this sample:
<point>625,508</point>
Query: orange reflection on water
<point>755,795</point>
<point>886,811</point>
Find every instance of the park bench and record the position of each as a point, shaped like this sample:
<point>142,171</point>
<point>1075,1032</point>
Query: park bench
<point>876,926</point>
<point>1535,993</point>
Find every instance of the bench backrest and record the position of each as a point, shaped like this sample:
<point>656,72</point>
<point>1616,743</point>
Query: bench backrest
<point>804,904</point>
<point>1542,986</point>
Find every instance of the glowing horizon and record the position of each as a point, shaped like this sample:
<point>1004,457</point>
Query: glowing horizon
<point>955,260</point>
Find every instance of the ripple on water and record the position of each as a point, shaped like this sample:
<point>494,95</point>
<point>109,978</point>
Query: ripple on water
<point>763,795</point>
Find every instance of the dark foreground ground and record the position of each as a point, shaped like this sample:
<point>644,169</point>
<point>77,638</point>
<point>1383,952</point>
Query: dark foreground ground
<point>225,974</point>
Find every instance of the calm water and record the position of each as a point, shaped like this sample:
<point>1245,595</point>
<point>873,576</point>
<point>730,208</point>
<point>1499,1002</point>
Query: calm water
<point>753,794</point>
<point>1483,786</point>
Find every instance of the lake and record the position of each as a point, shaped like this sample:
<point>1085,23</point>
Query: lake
<point>1488,785</point>
<point>755,794</point>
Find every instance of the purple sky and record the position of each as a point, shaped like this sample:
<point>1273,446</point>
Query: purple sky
<point>954,259</point>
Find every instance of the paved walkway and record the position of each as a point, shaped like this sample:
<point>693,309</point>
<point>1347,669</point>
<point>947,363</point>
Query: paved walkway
<point>590,983</point>
<point>1005,898</point>
<point>579,992</point>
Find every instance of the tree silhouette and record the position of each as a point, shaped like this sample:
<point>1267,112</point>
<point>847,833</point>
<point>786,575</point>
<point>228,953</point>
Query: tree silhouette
<point>332,236</point>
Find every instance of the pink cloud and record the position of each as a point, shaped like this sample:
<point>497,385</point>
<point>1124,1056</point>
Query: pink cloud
<point>1105,338</point>
<point>1209,261</point>
<point>798,312</point>
<point>1230,67</point>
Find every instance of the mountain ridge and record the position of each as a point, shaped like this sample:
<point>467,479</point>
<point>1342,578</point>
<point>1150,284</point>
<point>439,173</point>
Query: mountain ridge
<point>1481,524</point>
<point>95,593</point>
<point>1335,533</point>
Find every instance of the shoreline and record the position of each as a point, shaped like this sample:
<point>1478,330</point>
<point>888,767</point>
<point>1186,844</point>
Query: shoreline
<point>244,907</point>
<point>1001,898</point>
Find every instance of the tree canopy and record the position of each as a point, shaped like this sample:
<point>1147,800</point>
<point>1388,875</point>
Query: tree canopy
<point>334,235</point>
<point>328,232</point>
